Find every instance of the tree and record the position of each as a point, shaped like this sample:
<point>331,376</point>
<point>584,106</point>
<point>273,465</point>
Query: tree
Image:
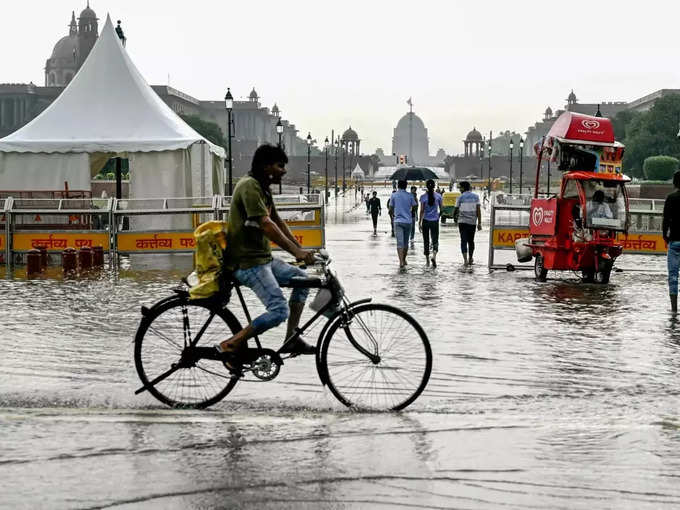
<point>621,121</point>
<point>660,168</point>
<point>652,133</point>
<point>206,129</point>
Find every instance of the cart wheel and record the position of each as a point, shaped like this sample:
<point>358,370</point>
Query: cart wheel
<point>540,271</point>
<point>602,276</point>
<point>587,276</point>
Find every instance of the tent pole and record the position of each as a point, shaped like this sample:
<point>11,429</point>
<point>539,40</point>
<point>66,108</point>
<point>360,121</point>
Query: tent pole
<point>119,178</point>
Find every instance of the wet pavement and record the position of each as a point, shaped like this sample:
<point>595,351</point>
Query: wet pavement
<point>543,395</point>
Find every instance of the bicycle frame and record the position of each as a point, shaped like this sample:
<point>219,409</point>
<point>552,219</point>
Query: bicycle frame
<point>338,300</point>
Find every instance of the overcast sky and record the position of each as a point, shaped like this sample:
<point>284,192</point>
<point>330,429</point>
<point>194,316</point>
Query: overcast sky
<point>495,65</point>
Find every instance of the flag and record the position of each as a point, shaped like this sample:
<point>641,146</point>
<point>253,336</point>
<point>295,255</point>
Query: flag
<point>409,102</point>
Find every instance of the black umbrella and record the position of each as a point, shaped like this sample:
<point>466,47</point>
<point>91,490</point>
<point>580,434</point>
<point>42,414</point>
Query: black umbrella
<point>414,173</point>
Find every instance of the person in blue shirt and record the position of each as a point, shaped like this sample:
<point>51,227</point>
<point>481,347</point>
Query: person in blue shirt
<point>428,224</point>
<point>466,214</point>
<point>402,203</point>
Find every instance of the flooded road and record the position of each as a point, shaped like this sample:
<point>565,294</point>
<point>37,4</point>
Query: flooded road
<point>554,395</point>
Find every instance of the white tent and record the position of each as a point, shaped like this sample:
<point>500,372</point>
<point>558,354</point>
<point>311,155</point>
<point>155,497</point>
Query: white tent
<point>109,110</point>
<point>358,173</point>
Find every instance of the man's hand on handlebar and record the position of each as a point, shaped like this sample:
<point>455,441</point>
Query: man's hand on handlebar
<point>306,256</point>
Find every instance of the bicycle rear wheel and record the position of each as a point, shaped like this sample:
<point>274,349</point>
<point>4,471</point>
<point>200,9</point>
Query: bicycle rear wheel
<point>159,344</point>
<point>377,358</point>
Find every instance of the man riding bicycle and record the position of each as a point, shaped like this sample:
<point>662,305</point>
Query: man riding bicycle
<point>253,224</point>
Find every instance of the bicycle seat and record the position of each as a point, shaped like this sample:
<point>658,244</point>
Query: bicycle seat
<point>311,282</point>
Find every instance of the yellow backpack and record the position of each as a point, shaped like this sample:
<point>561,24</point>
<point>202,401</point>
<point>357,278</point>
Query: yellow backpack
<point>211,241</point>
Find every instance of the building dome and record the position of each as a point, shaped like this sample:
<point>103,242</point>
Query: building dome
<point>87,13</point>
<point>416,122</point>
<point>410,139</point>
<point>571,98</point>
<point>350,135</point>
<point>548,112</point>
<point>474,136</point>
<point>275,109</point>
<point>65,47</point>
<point>253,95</point>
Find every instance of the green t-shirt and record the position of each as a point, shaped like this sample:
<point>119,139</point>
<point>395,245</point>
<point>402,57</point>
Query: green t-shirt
<point>247,246</point>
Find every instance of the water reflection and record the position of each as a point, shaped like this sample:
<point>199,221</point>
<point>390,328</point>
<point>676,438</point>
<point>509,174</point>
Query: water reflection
<point>536,388</point>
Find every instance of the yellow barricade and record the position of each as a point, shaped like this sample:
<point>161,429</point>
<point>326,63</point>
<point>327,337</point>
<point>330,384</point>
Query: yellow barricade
<point>650,244</point>
<point>506,237</point>
<point>57,241</point>
<point>154,242</point>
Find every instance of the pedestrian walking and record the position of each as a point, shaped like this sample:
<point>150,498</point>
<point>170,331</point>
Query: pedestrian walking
<point>390,210</point>
<point>466,213</point>
<point>414,211</point>
<point>670,229</point>
<point>376,210</point>
<point>402,203</point>
<point>428,223</point>
<point>368,199</point>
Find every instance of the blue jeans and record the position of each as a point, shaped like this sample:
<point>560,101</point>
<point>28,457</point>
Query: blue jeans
<point>673,266</point>
<point>402,231</point>
<point>264,281</point>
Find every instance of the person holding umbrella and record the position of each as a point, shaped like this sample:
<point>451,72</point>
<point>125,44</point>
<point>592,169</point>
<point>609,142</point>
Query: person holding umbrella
<point>414,192</point>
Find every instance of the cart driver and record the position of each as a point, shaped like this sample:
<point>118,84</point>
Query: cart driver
<point>598,208</point>
<point>253,224</point>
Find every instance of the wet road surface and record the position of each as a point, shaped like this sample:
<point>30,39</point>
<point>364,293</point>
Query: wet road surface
<point>553,395</point>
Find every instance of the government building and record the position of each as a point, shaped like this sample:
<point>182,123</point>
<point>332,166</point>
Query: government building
<point>252,122</point>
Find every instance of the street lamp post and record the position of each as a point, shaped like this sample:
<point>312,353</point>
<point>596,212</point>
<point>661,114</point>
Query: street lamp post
<point>343,170</point>
<point>279,131</point>
<point>325,146</point>
<point>335,151</point>
<point>489,181</point>
<point>481,161</point>
<point>309,161</point>
<point>512,145</point>
<point>521,157</point>
<point>229,105</point>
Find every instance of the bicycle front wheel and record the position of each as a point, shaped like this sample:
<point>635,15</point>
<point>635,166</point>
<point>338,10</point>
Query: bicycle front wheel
<point>160,342</point>
<point>377,358</point>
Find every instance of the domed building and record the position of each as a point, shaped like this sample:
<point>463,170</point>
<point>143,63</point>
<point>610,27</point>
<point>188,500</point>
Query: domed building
<point>410,138</point>
<point>473,141</point>
<point>71,50</point>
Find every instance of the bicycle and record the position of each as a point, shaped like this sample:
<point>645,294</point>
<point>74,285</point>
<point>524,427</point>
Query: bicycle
<point>371,356</point>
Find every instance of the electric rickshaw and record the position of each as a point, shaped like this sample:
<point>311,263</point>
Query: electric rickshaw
<point>578,229</point>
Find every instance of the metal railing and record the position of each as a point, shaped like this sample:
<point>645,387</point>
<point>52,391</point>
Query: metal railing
<point>55,224</point>
<point>646,204</point>
<point>509,221</point>
<point>127,226</point>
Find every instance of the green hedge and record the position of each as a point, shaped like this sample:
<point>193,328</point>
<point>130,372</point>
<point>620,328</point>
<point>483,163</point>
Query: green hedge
<point>660,168</point>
